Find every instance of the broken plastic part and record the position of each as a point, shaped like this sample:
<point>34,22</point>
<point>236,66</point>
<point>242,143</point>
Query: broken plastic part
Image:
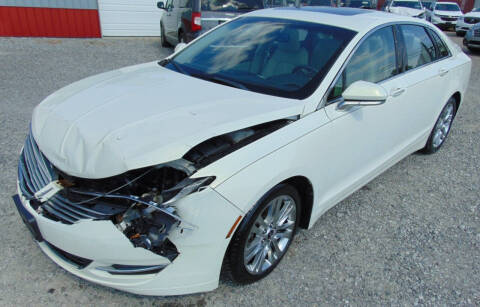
<point>149,229</point>
<point>222,145</point>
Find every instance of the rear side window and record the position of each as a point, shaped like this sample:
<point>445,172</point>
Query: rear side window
<point>373,61</point>
<point>419,47</point>
<point>441,47</point>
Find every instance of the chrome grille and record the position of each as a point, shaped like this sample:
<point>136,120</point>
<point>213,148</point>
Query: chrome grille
<point>35,172</point>
<point>449,18</point>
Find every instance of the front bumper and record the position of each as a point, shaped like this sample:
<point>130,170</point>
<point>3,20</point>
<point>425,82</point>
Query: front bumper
<point>463,26</point>
<point>472,43</point>
<point>440,22</point>
<point>196,269</point>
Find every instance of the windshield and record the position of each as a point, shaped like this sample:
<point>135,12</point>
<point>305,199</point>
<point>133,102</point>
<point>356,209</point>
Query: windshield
<point>317,3</point>
<point>447,7</point>
<point>278,57</point>
<point>357,3</point>
<point>231,5</point>
<point>409,4</point>
<point>427,5</point>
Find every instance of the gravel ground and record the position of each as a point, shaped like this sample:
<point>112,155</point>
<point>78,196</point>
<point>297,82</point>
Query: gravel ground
<point>411,236</point>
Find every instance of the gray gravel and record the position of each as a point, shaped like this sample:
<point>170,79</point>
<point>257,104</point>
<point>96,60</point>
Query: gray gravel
<point>411,236</point>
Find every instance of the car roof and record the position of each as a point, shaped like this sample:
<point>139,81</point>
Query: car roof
<point>355,19</point>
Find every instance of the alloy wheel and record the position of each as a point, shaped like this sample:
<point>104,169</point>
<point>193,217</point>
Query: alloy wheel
<point>443,125</point>
<point>270,235</point>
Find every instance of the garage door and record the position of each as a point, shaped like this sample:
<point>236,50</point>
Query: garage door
<point>129,17</point>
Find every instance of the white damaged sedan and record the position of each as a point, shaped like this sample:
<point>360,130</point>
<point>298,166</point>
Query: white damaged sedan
<point>148,178</point>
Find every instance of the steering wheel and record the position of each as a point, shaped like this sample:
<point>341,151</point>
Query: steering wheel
<point>306,70</point>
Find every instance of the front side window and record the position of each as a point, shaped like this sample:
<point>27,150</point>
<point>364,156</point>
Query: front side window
<point>373,61</point>
<point>419,47</point>
<point>280,57</point>
<point>447,7</point>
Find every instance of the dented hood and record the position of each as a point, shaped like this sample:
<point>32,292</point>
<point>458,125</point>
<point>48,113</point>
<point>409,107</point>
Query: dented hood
<point>140,116</point>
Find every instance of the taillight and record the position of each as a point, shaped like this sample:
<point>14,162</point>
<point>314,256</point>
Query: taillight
<point>196,23</point>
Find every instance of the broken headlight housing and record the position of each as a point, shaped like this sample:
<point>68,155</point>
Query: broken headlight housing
<point>147,224</point>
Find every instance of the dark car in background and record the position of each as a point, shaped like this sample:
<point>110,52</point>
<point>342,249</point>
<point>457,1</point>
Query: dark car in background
<point>362,4</point>
<point>427,4</point>
<point>185,20</point>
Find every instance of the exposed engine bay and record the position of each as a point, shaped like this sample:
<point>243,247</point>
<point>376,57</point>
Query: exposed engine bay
<point>141,202</point>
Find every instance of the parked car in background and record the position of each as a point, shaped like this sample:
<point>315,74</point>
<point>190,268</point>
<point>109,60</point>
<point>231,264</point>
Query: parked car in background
<point>444,15</point>
<point>412,8</point>
<point>427,5</point>
<point>318,3</point>
<point>465,22</point>
<point>223,150</point>
<point>185,20</point>
<point>362,4</point>
<point>472,38</point>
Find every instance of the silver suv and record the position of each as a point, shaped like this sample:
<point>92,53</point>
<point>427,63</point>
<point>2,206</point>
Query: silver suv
<point>185,20</point>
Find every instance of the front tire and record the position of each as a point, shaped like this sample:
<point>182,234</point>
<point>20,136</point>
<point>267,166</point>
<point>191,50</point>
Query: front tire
<point>442,127</point>
<point>163,38</point>
<point>264,236</point>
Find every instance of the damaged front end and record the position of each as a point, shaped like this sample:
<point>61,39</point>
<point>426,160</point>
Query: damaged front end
<point>141,202</point>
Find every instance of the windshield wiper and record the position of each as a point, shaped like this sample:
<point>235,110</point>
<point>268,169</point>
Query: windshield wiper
<point>177,67</point>
<point>223,81</point>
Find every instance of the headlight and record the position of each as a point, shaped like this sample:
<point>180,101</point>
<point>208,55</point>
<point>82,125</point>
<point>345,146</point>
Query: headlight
<point>421,15</point>
<point>436,15</point>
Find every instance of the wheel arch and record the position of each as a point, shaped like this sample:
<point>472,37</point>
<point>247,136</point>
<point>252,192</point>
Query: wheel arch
<point>304,187</point>
<point>458,98</point>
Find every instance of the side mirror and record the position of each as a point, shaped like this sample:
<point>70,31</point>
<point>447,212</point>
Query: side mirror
<point>363,93</point>
<point>179,47</point>
<point>160,5</point>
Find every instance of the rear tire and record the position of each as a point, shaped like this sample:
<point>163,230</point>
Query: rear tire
<point>264,235</point>
<point>442,127</point>
<point>181,37</point>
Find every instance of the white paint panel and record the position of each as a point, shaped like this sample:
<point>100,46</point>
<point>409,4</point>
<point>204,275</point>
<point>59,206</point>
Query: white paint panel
<point>129,18</point>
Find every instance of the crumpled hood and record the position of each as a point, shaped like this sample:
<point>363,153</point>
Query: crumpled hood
<point>406,11</point>
<point>140,116</point>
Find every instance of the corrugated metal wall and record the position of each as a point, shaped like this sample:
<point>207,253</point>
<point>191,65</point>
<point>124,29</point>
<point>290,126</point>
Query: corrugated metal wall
<point>50,18</point>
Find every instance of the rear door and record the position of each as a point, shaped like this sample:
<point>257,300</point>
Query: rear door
<point>424,80</point>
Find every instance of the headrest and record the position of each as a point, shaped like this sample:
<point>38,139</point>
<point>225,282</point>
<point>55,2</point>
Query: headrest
<point>289,40</point>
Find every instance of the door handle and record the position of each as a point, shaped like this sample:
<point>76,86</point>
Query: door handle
<point>442,72</point>
<point>397,92</point>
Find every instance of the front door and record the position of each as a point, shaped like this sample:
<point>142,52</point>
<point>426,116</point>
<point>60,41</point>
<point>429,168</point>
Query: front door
<point>364,139</point>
